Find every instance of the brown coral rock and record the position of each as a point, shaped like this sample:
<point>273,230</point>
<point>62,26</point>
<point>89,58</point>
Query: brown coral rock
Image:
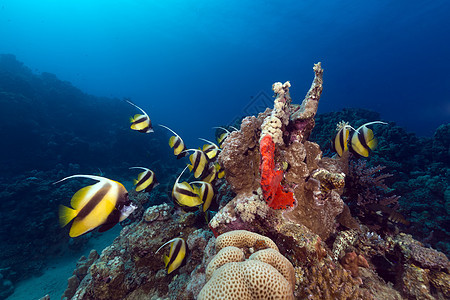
<point>351,262</point>
<point>326,280</point>
<point>240,155</point>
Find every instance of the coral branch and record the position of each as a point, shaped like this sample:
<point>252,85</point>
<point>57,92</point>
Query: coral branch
<point>302,116</point>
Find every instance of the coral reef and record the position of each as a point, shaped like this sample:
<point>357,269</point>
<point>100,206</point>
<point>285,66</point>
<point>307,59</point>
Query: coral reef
<point>255,244</point>
<point>128,267</point>
<point>79,273</point>
<point>300,159</point>
<point>420,173</point>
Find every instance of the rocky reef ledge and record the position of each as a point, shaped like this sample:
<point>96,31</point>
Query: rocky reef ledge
<point>285,219</point>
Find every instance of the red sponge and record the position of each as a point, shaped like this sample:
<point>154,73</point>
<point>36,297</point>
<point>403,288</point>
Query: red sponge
<point>273,192</point>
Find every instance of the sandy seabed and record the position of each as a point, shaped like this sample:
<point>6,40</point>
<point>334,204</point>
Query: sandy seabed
<point>53,281</point>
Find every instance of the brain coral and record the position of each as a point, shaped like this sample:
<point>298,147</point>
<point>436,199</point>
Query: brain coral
<point>244,239</point>
<point>265,275</point>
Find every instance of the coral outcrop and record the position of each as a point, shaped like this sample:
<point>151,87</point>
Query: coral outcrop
<point>291,170</point>
<point>265,274</point>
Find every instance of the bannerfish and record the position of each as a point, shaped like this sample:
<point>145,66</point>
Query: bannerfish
<point>210,150</point>
<point>122,211</point>
<point>363,139</point>
<point>176,256</point>
<point>340,142</point>
<point>221,138</point>
<point>183,194</point>
<point>214,171</point>
<point>210,175</point>
<point>220,171</point>
<point>140,122</point>
<point>176,142</point>
<point>199,162</point>
<point>205,192</point>
<point>104,203</point>
<point>146,180</point>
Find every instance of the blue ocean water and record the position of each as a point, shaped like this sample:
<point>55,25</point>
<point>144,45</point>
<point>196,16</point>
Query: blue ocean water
<point>197,64</point>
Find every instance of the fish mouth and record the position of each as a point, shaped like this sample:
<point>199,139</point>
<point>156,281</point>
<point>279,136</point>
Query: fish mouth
<point>127,210</point>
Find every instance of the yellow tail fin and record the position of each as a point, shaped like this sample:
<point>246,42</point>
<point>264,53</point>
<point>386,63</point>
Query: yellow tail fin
<point>166,260</point>
<point>66,215</point>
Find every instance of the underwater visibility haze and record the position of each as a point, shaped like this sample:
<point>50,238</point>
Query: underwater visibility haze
<point>147,137</point>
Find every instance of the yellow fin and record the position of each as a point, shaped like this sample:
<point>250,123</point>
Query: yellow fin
<point>166,260</point>
<point>190,168</point>
<point>66,215</point>
<point>135,181</point>
<point>172,141</point>
<point>196,190</point>
<point>372,143</point>
<point>370,138</point>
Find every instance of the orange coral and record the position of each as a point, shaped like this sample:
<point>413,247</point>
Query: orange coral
<point>273,192</point>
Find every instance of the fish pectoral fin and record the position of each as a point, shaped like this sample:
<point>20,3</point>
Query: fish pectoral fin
<point>66,215</point>
<point>172,141</point>
<point>107,226</point>
<point>372,143</point>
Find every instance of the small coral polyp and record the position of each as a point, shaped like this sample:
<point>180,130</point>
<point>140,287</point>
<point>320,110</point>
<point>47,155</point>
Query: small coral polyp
<point>271,186</point>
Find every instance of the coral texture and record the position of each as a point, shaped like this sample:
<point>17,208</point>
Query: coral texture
<point>265,274</point>
<point>352,261</point>
<point>279,118</point>
<point>302,116</point>
<point>244,239</point>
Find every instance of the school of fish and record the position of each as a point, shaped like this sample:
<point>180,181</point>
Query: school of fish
<point>106,203</point>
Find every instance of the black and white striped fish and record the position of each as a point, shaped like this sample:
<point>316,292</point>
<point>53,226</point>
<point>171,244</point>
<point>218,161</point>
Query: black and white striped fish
<point>102,204</point>
<point>363,139</point>
<point>140,122</point>
<point>176,142</point>
<point>211,150</point>
<point>199,162</point>
<point>183,194</point>
<point>146,180</point>
<point>205,192</point>
<point>340,142</point>
<point>176,256</point>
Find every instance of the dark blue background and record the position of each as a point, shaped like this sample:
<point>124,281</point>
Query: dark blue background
<point>193,65</point>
